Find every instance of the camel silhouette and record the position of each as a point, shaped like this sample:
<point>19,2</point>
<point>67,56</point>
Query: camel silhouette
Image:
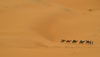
<point>63,40</point>
<point>81,41</point>
<point>74,41</point>
<point>68,41</point>
<point>88,42</point>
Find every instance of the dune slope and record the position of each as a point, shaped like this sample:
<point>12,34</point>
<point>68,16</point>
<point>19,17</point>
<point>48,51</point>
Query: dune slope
<point>32,27</point>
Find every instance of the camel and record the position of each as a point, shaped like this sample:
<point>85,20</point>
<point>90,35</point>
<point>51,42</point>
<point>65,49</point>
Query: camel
<point>68,41</point>
<point>88,42</point>
<point>74,41</point>
<point>63,40</point>
<point>81,41</point>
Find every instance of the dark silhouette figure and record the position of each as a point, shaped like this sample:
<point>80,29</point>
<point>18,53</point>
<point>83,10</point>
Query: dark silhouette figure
<point>92,42</point>
<point>81,41</point>
<point>63,40</point>
<point>74,41</point>
<point>68,41</point>
<point>88,42</point>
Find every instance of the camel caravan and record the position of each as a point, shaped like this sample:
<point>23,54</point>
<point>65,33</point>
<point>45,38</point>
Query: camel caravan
<point>75,41</point>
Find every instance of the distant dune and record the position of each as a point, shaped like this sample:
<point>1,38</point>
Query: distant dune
<point>43,23</point>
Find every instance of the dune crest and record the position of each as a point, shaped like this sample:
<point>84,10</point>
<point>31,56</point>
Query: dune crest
<point>34,28</point>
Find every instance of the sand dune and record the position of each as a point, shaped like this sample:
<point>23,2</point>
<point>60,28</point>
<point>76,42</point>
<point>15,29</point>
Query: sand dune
<point>35,27</point>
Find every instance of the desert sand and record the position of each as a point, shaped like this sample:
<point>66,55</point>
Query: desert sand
<point>34,28</point>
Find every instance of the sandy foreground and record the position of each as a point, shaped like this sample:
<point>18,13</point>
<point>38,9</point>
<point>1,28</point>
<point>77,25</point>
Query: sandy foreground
<point>34,28</point>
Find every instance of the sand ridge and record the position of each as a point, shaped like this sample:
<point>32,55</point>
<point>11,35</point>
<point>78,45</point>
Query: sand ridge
<point>34,28</point>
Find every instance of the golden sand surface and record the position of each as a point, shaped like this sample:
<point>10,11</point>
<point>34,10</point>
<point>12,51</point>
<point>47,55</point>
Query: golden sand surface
<point>34,28</point>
